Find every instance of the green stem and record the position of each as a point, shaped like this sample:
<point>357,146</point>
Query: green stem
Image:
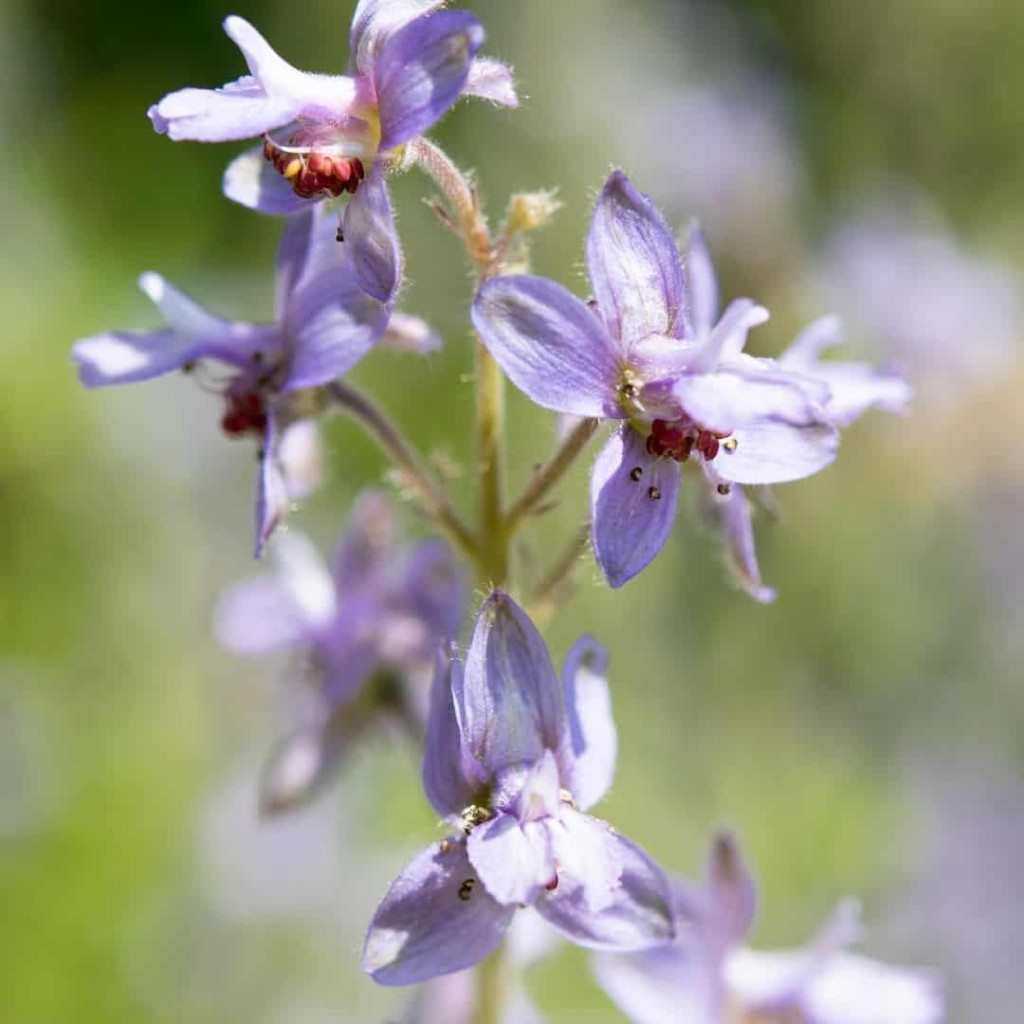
<point>493,980</point>
<point>377,424</point>
<point>550,474</point>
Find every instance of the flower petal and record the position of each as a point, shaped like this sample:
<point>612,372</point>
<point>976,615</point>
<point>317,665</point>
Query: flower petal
<point>433,587</point>
<point>375,20</point>
<point>701,284</point>
<point>550,344</point>
<point>515,861</point>
<point>511,702</point>
<point>436,918</point>
<point>823,333</point>
<point>731,889</point>
<point>857,387</point>
<point>253,183</point>
<point>632,512</point>
<point>733,514</point>
<point>587,757</point>
<point>368,545</point>
<point>638,916</point>
<point>634,265</point>
<point>371,242</point>
<point>121,357</point>
<point>302,458</point>
<point>407,333</point>
<point>772,452</point>
<point>421,71</point>
<point>588,857</point>
<point>492,80</point>
<point>449,787</point>
<point>728,337</point>
<point>271,492</point>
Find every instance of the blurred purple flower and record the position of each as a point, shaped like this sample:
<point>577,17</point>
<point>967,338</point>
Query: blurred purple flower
<point>367,627</point>
<point>654,355</point>
<point>706,977</point>
<point>332,305</point>
<point>513,758</point>
<point>410,62</point>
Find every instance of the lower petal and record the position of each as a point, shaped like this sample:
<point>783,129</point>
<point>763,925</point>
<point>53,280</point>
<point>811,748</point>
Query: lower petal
<point>770,451</point>
<point>515,862</point>
<point>252,182</point>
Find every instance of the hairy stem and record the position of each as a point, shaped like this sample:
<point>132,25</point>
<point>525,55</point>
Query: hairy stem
<point>550,474</point>
<point>544,600</point>
<point>378,425</point>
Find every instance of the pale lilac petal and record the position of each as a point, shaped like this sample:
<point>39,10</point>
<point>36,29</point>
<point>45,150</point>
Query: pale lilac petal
<point>514,861</point>
<point>365,551</point>
<point>434,587</point>
<point>589,858</point>
<point>731,890</point>
<point>436,918</point>
<point>271,492</point>
<point>701,284</point>
<point>375,20</point>
<point>185,315</point>
<point>449,787</point>
<point>728,337</point>
<point>857,387</point>
<point>121,357</point>
<point>492,80</point>
<point>639,915</point>
<point>551,345</point>
<point>420,72</point>
<point>587,758</point>
<point>511,706</point>
<point>634,265</point>
<point>632,512</point>
<point>251,181</point>
<point>738,536</point>
<point>772,452</point>
<point>371,242</point>
<point>817,336</point>
<point>407,333</point>
<point>301,456</point>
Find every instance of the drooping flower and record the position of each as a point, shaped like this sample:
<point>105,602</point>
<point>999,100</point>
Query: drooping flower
<point>651,353</point>
<point>324,134</point>
<point>332,305</point>
<point>513,760</point>
<point>706,977</point>
<point>365,632</point>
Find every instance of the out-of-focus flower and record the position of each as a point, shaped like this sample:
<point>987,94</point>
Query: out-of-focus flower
<point>367,630</point>
<point>513,759</point>
<point>706,977</point>
<point>327,319</point>
<point>652,354</point>
<point>410,62</point>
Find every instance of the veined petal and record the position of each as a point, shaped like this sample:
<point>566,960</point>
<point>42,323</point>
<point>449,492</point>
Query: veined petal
<point>738,536</point>
<point>271,492</point>
<point>375,20</point>
<point>252,182</point>
<point>639,914</point>
<point>773,452</point>
<point>550,344</point>
<point>511,704</point>
<point>588,753</point>
<point>421,71</point>
<point>448,787</point>
<point>701,284</point>
<point>371,241</point>
<point>492,80</point>
<point>514,860</point>
<point>589,858</point>
<point>731,890</point>
<point>436,918</point>
<point>634,265</point>
<point>632,512</point>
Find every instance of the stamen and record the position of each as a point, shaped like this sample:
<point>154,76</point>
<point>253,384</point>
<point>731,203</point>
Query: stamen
<point>311,172</point>
<point>245,414</point>
<point>731,445</point>
<point>635,473</point>
<point>724,490</point>
<point>680,438</point>
<point>654,493</point>
<point>466,889</point>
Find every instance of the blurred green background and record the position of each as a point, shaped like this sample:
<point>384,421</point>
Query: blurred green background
<point>865,734</point>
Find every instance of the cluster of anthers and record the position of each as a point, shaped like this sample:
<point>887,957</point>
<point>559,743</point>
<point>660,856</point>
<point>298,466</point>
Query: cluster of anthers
<point>312,174</point>
<point>680,438</point>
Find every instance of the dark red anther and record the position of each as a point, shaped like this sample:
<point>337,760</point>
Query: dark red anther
<point>245,414</point>
<point>553,884</point>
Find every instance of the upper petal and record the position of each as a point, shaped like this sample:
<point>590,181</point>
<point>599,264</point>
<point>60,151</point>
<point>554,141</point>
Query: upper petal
<point>375,20</point>
<point>550,344</point>
<point>492,80</point>
<point>773,452</point>
<point>511,705</point>
<point>587,756</point>
<point>701,284</point>
<point>436,918</point>
<point>634,265</point>
<point>371,241</point>
<point>632,511</point>
<point>421,71</point>
<point>638,915</point>
<point>731,889</point>
<point>251,181</point>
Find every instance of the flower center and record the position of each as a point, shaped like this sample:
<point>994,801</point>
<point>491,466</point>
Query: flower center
<point>679,439</point>
<point>313,173</point>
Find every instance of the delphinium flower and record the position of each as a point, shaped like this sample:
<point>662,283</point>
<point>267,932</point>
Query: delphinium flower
<point>706,977</point>
<point>648,353</point>
<point>365,630</point>
<point>513,761</point>
<point>325,135</point>
<point>332,305</point>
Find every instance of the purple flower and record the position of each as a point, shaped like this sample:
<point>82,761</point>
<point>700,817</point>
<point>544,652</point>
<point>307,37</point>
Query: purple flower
<point>706,977</point>
<point>410,62</point>
<point>366,630</point>
<point>333,303</point>
<point>652,353</point>
<point>514,759</point>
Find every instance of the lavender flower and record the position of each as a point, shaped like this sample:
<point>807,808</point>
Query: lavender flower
<point>652,355</point>
<point>514,759</point>
<point>367,630</point>
<point>410,62</point>
<point>706,977</point>
<point>333,303</point>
